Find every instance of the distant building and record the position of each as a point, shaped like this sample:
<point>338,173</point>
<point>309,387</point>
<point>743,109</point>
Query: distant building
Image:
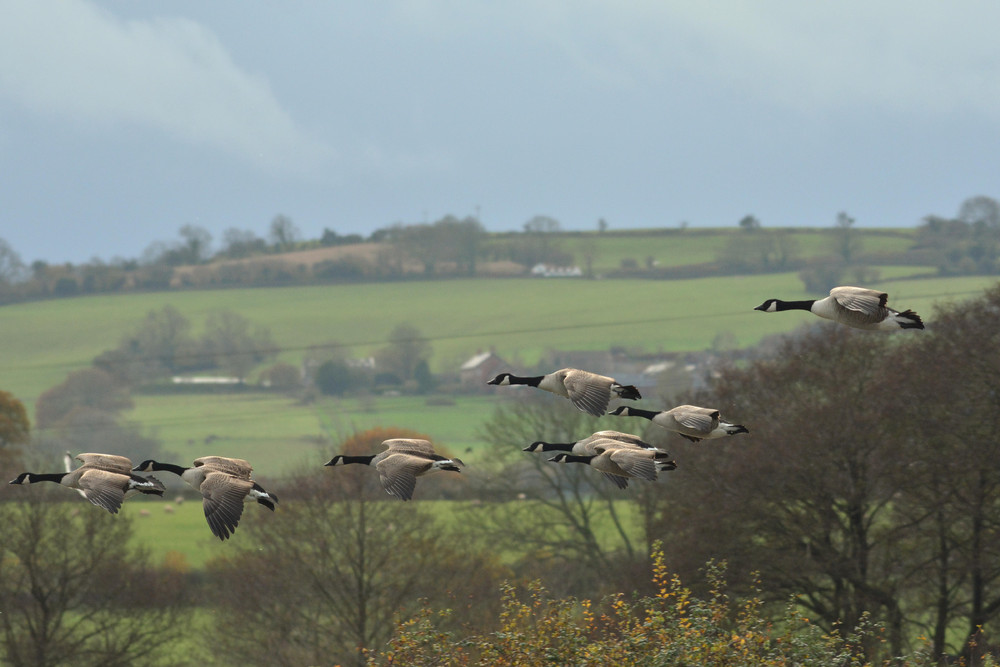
<point>547,271</point>
<point>481,368</point>
<point>205,380</point>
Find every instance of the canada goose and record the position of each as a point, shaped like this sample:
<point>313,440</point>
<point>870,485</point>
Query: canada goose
<point>622,463</point>
<point>690,421</point>
<point>400,463</point>
<point>224,484</point>
<point>589,447</point>
<point>103,479</point>
<point>589,392</point>
<point>854,306</point>
<point>586,446</point>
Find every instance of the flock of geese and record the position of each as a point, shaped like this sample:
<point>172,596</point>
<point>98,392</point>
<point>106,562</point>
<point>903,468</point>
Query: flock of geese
<point>225,484</point>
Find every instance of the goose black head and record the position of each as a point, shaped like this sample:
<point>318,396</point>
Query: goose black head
<point>145,466</point>
<point>501,379</point>
<point>619,411</point>
<point>335,461</point>
<point>769,306</point>
<point>23,478</point>
<point>533,446</point>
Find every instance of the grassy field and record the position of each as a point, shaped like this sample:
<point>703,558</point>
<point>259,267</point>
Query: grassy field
<point>701,246</point>
<point>521,318</point>
<point>179,535</point>
<point>278,434</point>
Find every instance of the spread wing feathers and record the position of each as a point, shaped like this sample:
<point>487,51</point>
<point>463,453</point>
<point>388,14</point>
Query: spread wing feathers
<point>236,467</point>
<point>104,489</point>
<point>223,497</point>
<point>620,482</point>
<point>398,473</point>
<point>413,445</point>
<point>589,393</point>
<point>636,463</point>
<point>627,438</point>
<point>109,462</point>
<point>866,302</point>
<point>697,418</point>
<point>599,445</point>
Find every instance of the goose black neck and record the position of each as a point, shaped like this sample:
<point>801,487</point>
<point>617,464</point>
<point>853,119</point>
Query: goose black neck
<point>56,477</point>
<point>530,381</point>
<point>557,446</point>
<point>366,460</point>
<point>169,467</point>
<point>639,412</point>
<point>794,305</point>
<point>573,458</point>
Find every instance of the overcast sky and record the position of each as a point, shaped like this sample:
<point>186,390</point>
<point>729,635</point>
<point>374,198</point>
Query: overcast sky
<point>121,122</point>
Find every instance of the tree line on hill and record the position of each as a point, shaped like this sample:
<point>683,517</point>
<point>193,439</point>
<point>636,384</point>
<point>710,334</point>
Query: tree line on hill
<point>968,243</point>
<point>865,503</point>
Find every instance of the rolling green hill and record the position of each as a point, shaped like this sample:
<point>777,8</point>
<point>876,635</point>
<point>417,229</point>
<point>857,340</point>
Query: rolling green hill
<point>520,318</point>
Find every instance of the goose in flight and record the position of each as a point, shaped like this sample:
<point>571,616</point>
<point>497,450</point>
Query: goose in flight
<point>400,463</point>
<point>691,421</point>
<point>224,484</point>
<point>103,479</point>
<point>589,392</point>
<point>854,306</point>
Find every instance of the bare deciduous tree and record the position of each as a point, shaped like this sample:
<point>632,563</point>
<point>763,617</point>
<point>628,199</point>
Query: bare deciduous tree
<point>807,498</point>
<point>566,518</point>
<point>73,592</point>
<point>329,577</point>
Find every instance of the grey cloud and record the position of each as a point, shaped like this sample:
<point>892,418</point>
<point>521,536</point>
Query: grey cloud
<point>72,59</point>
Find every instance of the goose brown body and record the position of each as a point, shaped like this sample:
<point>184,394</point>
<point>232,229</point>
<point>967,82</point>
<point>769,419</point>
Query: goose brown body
<point>401,462</point>
<point>589,392</point>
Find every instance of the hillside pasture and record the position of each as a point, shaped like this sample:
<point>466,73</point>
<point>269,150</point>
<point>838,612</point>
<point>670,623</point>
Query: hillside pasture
<point>520,318</point>
<point>279,434</point>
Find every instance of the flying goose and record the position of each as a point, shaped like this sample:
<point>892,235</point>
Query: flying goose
<point>586,446</point>
<point>224,484</point>
<point>582,450</point>
<point>619,462</point>
<point>690,421</point>
<point>589,392</point>
<point>103,479</point>
<point>854,306</point>
<point>400,463</point>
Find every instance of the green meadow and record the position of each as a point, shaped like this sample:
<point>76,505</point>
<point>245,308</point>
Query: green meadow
<point>690,247</point>
<point>177,535</point>
<point>278,433</point>
<point>521,318</point>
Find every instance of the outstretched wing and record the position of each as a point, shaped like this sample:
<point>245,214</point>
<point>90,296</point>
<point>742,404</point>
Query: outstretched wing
<point>222,500</point>
<point>637,463</point>
<point>104,489</point>
<point>110,462</point>
<point>696,418</point>
<point>861,306</point>
<point>236,467</point>
<point>398,473</point>
<point>589,392</point>
<point>412,445</point>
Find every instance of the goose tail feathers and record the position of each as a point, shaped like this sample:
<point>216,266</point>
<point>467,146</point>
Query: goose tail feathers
<point>627,391</point>
<point>733,429</point>
<point>908,320</point>
<point>149,485</point>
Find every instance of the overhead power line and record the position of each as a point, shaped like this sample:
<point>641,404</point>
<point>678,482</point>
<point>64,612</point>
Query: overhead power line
<point>430,339</point>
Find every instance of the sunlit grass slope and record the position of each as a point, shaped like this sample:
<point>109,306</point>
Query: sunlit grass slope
<point>521,318</point>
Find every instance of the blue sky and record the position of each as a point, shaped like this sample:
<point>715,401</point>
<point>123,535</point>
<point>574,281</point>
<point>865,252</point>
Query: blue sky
<point>121,122</point>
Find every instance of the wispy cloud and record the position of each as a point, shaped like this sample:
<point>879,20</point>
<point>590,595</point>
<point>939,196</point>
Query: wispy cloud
<point>72,59</point>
